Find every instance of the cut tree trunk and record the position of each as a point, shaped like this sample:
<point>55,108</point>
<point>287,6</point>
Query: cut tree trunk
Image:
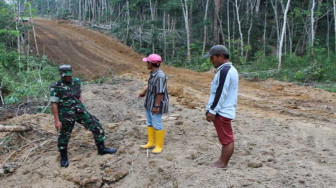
<point>14,128</point>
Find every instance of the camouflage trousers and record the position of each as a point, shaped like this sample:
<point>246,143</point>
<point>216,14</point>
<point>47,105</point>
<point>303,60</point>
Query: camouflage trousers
<point>82,117</point>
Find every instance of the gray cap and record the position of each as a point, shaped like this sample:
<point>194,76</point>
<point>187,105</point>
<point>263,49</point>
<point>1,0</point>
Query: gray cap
<point>217,50</point>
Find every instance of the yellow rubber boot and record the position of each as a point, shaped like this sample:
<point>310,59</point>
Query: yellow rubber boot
<point>151,138</point>
<point>159,139</point>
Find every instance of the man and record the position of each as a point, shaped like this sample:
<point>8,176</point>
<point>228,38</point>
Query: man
<point>221,108</point>
<point>67,108</point>
<point>156,103</point>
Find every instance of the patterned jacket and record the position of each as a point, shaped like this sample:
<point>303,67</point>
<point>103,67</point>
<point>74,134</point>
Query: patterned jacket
<point>157,83</point>
<point>67,95</point>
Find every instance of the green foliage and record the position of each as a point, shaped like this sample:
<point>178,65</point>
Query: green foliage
<point>198,63</point>
<point>64,14</point>
<point>6,16</point>
<point>172,6</point>
<point>263,62</point>
<point>100,80</point>
<point>29,77</point>
<point>205,65</point>
<point>8,59</point>
<point>327,86</point>
<point>26,10</point>
<point>9,32</point>
<point>314,73</point>
<point>295,68</point>
<point>115,2</point>
<point>144,50</point>
<point>299,76</point>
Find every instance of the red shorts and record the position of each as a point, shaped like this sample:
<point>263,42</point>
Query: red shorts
<point>224,129</point>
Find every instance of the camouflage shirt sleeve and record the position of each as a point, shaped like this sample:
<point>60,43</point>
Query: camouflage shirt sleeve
<point>78,88</point>
<point>54,95</point>
<point>76,80</point>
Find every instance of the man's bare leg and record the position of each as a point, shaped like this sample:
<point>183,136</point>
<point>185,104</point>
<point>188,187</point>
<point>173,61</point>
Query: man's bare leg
<point>227,151</point>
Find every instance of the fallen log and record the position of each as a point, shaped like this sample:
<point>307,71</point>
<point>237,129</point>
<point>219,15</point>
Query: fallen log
<point>14,128</point>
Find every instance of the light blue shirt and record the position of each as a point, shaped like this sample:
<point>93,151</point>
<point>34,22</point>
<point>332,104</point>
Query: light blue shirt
<point>227,102</point>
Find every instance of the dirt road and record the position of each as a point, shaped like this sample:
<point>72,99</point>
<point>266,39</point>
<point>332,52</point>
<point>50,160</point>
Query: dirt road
<point>285,133</point>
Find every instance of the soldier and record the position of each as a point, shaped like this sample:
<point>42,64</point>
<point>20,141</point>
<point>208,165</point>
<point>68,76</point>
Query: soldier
<point>68,108</point>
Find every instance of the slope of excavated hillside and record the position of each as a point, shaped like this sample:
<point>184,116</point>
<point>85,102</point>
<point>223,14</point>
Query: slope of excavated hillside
<point>285,134</point>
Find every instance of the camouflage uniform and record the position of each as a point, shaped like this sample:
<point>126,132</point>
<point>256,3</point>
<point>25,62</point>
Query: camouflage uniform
<point>71,110</point>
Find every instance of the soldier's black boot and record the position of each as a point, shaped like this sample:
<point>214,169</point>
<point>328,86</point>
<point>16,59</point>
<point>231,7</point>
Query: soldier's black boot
<point>64,158</point>
<point>102,150</point>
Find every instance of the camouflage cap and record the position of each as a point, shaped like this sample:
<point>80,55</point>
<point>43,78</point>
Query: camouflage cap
<point>65,70</point>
